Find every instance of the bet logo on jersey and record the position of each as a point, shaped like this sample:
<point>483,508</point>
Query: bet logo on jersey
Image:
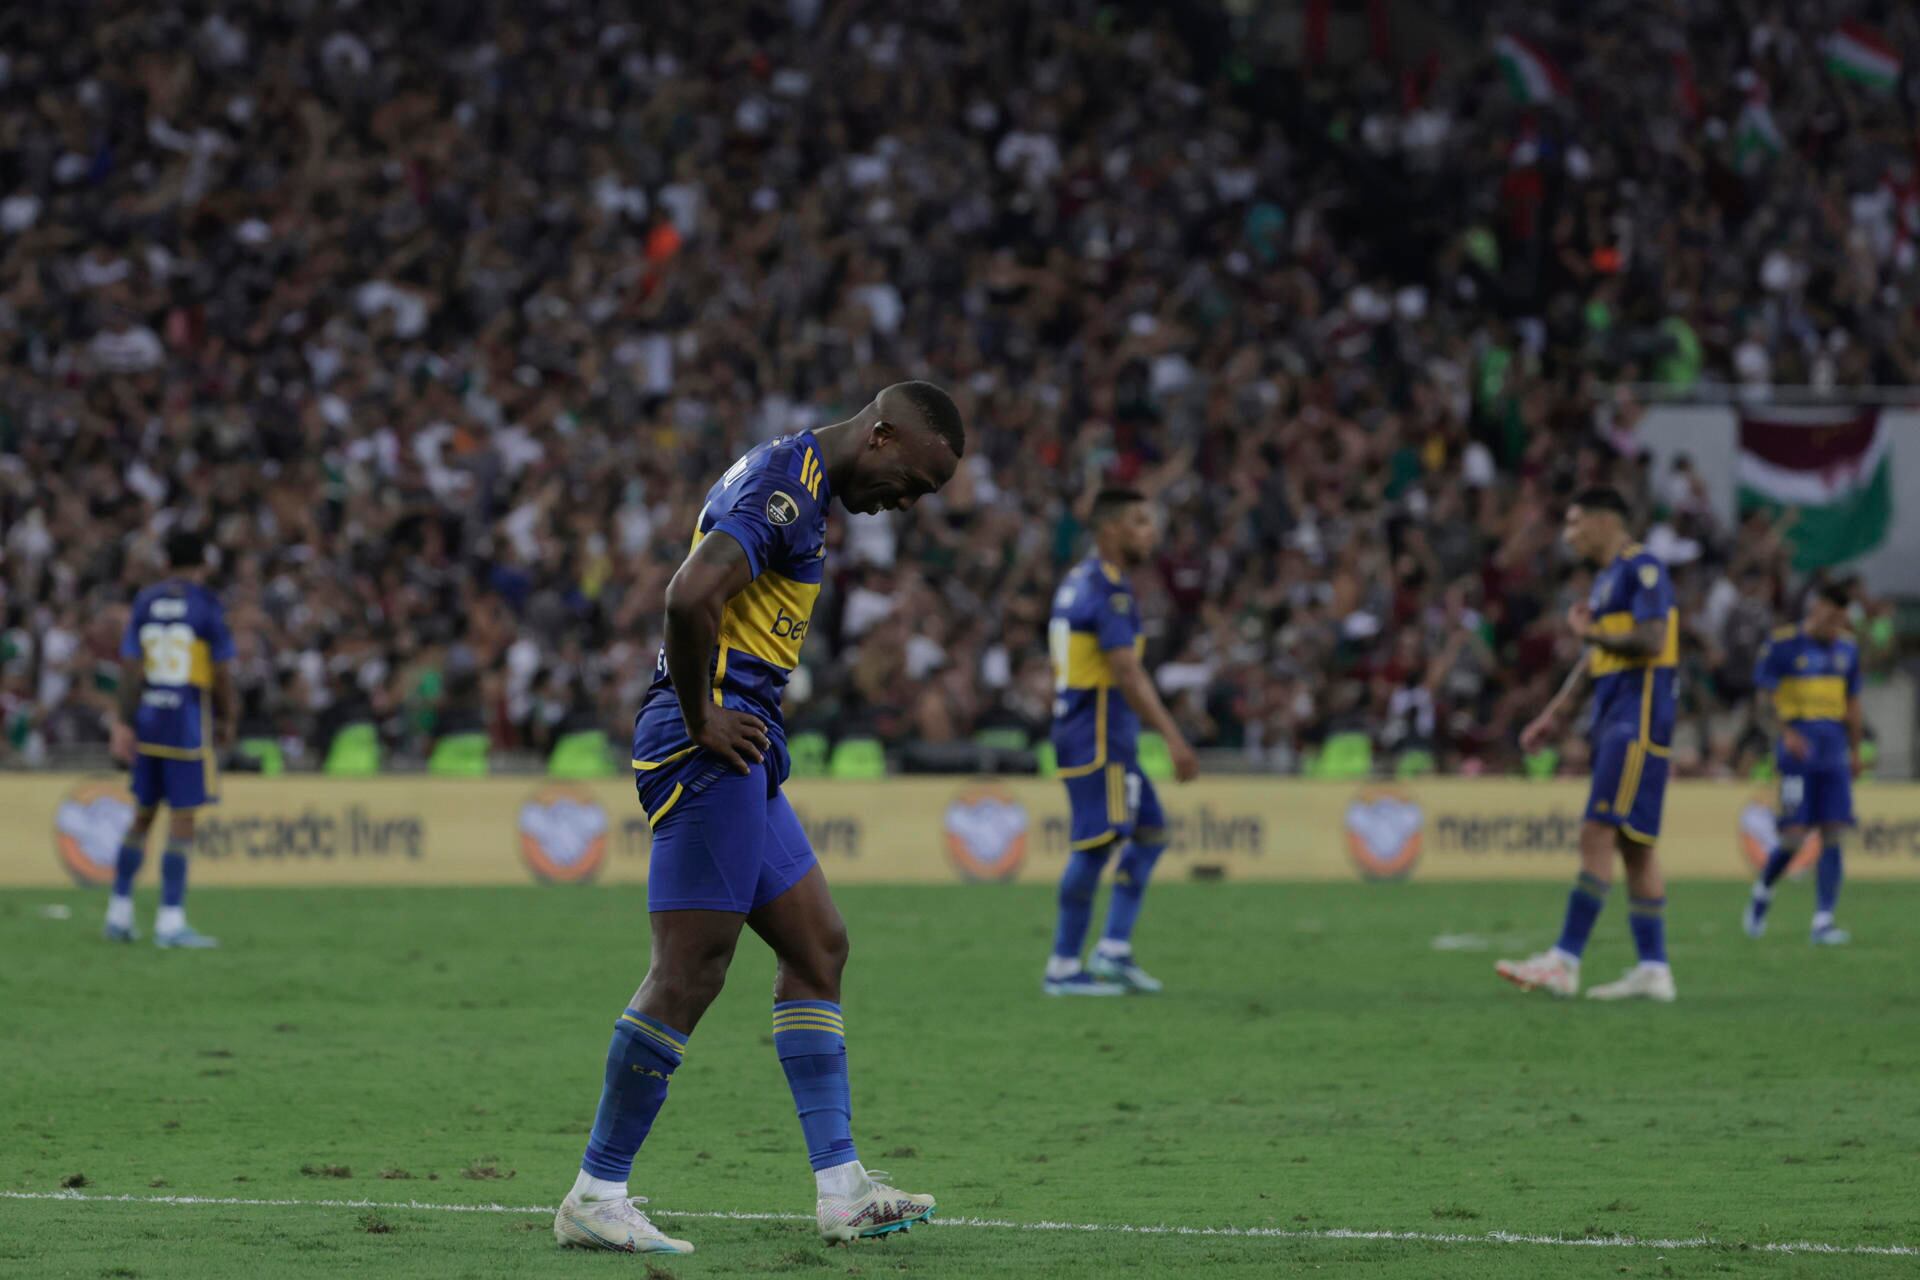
<point>782,509</point>
<point>788,627</point>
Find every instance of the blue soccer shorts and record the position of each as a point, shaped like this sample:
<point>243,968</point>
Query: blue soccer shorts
<point>1816,798</point>
<point>722,841</point>
<point>1629,782</point>
<point>187,781</point>
<point>1109,803</point>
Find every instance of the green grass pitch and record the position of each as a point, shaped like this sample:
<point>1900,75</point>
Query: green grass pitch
<point>1316,1065</point>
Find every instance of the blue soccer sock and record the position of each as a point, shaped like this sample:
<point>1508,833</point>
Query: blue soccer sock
<point>1077,887</point>
<point>640,1061</point>
<point>1589,895</point>
<point>1827,875</point>
<point>1129,891</point>
<point>1777,863</point>
<point>173,874</point>
<point>1648,919</point>
<point>127,866</point>
<point>810,1038</point>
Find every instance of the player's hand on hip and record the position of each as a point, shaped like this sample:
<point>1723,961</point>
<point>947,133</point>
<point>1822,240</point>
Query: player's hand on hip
<point>120,742</point>
<point>1580,618</point>
<point>736,737</point>
<point>1186,765</point>
<point>1796,743</point>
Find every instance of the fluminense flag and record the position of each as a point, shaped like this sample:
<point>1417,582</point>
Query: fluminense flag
<point>1530,74</point>
<point>1858,53</point>
<point>1831,467</point>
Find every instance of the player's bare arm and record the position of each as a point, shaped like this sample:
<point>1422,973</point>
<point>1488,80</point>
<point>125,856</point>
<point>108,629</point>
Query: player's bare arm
<point>1544,725</point>
<point>713,574</point>
<point>1130,678</point>
<point>226,706</point>
<point>133,677</point>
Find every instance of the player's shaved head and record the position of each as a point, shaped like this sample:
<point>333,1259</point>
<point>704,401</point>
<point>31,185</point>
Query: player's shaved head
<point>186,549</point>
<point>925,405</point>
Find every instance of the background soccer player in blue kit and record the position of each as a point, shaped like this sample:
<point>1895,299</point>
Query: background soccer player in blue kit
<point>1809,676</point>
<point>1629,626</point>
<point>177,713</point>
<point>1095,643</point>
<point>709,755</point>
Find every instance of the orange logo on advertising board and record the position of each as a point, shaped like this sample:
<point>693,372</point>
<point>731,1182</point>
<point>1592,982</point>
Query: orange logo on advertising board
<point>1760,831</point>
<point>563,835</point>
<point>1383,832</point>
<point>88,828</point>
<point>986,830</point>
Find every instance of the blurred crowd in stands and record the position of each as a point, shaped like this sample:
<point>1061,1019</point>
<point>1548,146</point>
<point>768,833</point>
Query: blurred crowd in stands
<point>440,317</point>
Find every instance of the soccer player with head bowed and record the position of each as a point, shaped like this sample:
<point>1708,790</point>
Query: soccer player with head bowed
<point>709,755</point>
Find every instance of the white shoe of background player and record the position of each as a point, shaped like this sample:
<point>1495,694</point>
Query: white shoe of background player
<point>1642,982</point>
<point>1555,972</point>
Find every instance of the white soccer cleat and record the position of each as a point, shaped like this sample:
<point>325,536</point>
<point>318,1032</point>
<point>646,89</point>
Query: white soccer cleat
<point>1754,918</point>
<point>1830,935</point>
<point>1550,971</point>
<point>881,1210</point>
<point>1642,982</point>
<point>1123,970</point>
<point>614,1225</point>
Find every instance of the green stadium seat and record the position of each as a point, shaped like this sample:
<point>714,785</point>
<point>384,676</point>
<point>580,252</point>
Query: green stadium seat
<point>1005,738</point>
<point>581,756</point>
<point>807,755</point>
<point>1542,764</point>
<point>354,752</point>
<point>858,758</point>
<point>1345,757</point>
<point>1763,770</point>
<point>459,755</point>
<point>1155,760</point>
<point>273,762</point>
<point>1046,761</point>
<point>1415,764</point>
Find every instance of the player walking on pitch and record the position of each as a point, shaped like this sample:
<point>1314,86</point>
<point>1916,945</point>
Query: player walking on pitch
<point>1094,639</point>
<point>1809,678</point>
<point>709,755</point>
<point>177,712</point>
<point>1630,628</point>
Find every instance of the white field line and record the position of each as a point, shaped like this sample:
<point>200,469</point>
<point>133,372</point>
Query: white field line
<point>1001,1224</point>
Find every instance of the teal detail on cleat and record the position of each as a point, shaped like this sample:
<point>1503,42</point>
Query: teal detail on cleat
<point>120,933</point>
<point>1831,936</point>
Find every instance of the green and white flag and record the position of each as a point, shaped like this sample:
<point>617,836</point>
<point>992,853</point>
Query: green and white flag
<point>1530,74</point>
<point>1830,468</point>
<point>1858,53</point>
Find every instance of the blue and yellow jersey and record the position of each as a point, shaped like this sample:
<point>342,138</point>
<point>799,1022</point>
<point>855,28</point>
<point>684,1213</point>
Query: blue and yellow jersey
<point>773,502</point>
<point>1635,690</point>
<point>178,631</point>
<point>1812,681</point>
<point>1093,614</point>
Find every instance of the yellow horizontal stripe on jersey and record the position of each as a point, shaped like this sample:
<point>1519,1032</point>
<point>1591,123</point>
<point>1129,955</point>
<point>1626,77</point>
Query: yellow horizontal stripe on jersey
<point>1622,623</point>
<point>769,619</point>
<point>647,765</point>
<point>1087,665</point>
<point>1812,698</point>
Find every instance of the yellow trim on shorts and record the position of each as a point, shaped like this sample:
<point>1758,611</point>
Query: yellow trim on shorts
<point>653,819</point>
